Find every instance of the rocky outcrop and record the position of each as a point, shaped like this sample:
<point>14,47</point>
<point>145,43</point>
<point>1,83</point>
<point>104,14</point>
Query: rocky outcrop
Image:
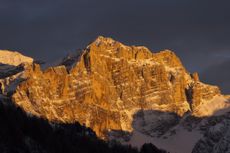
<point>13,70</point>
<point>109,84</point>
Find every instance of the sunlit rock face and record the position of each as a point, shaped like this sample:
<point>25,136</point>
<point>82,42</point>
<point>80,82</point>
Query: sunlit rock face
<point>12,70</point>
<point>109,84</point>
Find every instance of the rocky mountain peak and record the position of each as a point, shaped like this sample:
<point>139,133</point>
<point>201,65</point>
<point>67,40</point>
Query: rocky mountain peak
<point>112,48</point>
<point>104,40</point>
<point>121,92</point>
<point>110,84</point>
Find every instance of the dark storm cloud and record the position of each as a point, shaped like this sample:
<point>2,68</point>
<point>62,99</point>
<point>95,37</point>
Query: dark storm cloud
<point>218,74</point>
<point>198,31</point>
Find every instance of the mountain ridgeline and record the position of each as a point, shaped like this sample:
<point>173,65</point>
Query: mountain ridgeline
<point>123,93</point>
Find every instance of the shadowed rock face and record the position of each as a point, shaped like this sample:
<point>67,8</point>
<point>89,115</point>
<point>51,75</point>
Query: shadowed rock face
<point>109,84</point>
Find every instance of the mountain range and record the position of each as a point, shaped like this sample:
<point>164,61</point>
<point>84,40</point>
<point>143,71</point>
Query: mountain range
<point>126,94</point>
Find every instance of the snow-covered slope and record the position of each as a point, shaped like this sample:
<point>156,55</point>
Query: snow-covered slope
<point>219,105</point>
<point>13,58</point>
<point>13,66</point>
<point>187,134</point>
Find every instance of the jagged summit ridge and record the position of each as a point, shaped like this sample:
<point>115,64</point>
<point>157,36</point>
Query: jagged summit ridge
<point>112,48</point>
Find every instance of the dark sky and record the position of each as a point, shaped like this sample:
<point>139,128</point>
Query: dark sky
<point>197,30</point>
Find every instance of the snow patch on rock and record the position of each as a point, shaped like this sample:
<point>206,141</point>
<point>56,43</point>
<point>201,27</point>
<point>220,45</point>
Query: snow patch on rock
<point>219,105</point>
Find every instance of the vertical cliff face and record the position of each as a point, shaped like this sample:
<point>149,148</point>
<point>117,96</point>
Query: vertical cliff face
<point>109,84</point>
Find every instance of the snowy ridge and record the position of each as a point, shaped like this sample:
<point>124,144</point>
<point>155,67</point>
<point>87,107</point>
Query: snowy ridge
<point>12,68</point>
<point>219,105</point>
<point>13,58</point>
<point>186,134</point>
